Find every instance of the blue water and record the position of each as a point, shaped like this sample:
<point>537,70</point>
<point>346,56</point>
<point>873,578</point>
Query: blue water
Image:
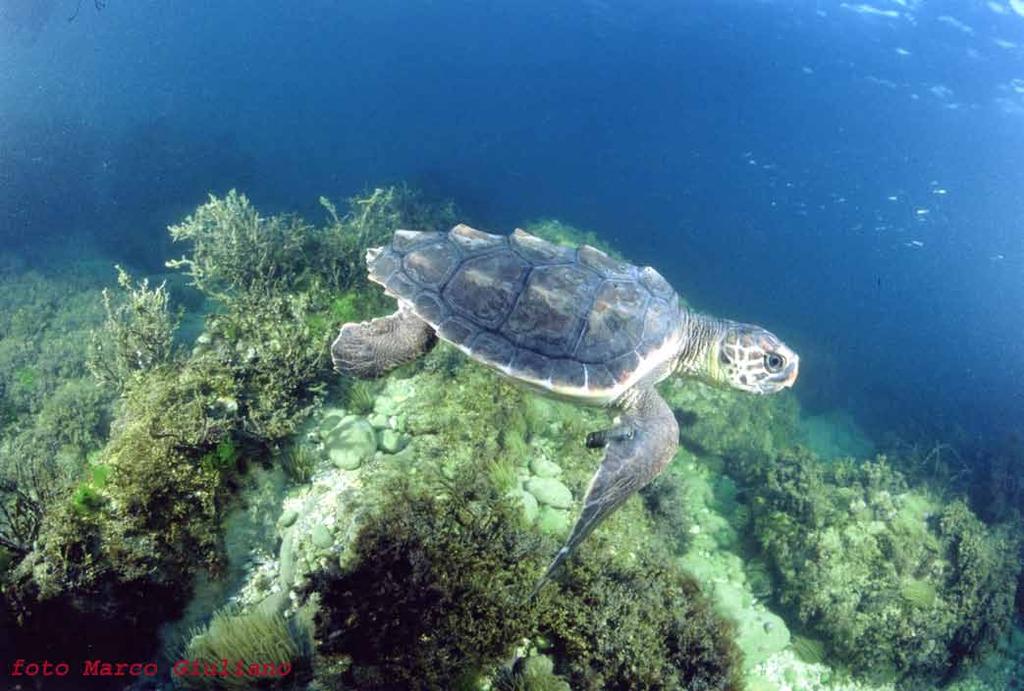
<point>847,174</point>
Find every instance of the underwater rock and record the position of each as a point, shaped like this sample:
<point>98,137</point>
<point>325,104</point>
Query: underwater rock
<point>530,506</point>
<point>538,665</point>
<point>405,457</point>
<point>385,406</point>
<point>542,467</point>
<point>395,394</point>
<point>553,521</point>
<point>286,560</point>
<point>759,633</point>
<point>757,683</point>
<point>350,444</point>
<point>326,523</point>
<point>329,419</point>
<point>761,636</point>
<point>550,491</point>
<point>535,672</point>
<point>391,441</point>
<point>378,421</point>
<point>724,534</point>
<point>322,537</point>
<point>349,419</point>
<point>732,601</point>
<point>835,434</point>
<point>287,519</point>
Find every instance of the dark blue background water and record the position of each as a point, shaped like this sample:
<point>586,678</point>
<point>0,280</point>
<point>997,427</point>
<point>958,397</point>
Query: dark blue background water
<point>848,176</point>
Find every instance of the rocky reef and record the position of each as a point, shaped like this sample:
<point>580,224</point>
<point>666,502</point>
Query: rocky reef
<point>181,468</point>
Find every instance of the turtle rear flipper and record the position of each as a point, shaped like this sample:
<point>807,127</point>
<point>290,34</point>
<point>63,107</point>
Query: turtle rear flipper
<point>636,451</point>
<point>371,349</point>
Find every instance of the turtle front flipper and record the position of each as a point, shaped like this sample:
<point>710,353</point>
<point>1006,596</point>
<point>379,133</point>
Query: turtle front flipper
<point>371,349</point>
<point>636,451</point>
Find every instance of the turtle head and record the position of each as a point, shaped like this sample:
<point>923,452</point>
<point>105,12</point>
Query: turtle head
<point>752,359</point>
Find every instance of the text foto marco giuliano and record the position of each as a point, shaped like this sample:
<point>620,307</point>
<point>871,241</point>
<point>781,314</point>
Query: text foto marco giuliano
<point>181,668</point>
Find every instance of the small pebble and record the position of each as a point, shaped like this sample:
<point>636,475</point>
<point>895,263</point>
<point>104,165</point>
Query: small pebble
<point>288,518</point>
<point>322,537</point>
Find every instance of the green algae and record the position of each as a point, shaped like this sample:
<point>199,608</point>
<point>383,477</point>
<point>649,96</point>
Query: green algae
<point>919,593</point>
<point>862,563</point>
<point>222,459</point>
<point>134,542</point>
<point>534,673</point>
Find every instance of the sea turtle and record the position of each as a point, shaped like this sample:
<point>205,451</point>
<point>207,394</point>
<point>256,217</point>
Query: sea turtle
<point>573,323</point>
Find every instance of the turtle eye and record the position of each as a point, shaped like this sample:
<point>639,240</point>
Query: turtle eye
<point>773,362</point>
